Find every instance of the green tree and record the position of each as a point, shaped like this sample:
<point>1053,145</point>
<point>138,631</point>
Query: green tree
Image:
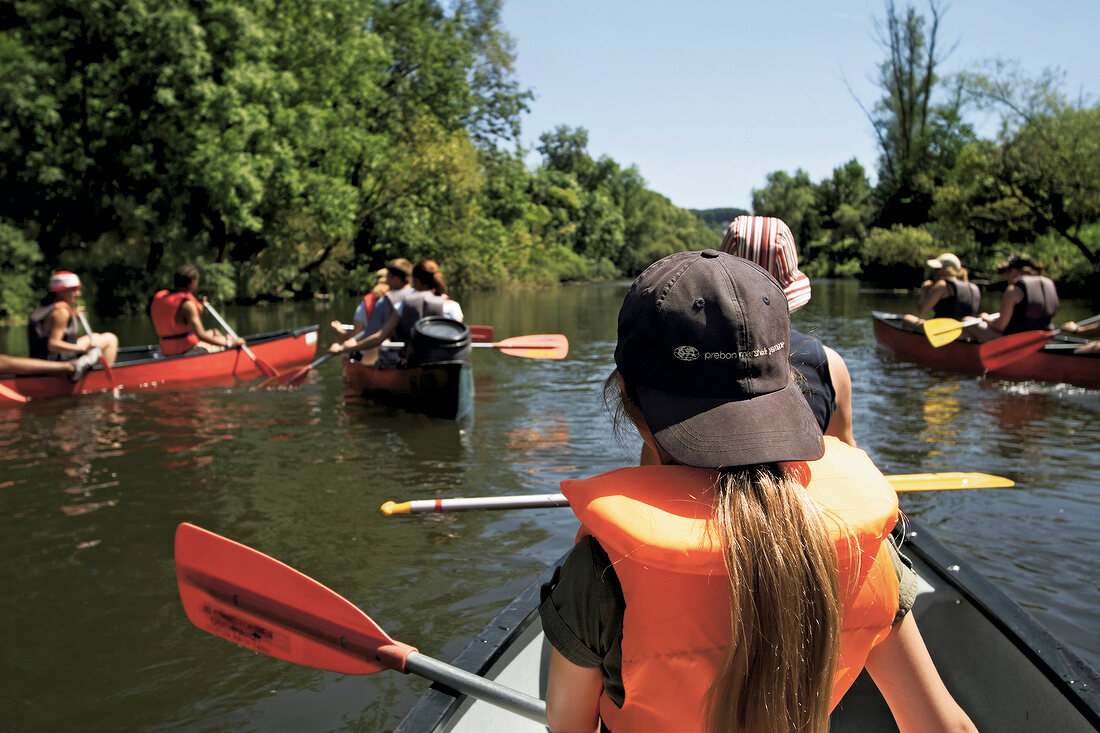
<point>1048,160</point>
<point>794,200</point>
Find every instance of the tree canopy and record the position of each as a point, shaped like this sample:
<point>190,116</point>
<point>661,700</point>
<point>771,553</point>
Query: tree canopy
<point>289,148</point>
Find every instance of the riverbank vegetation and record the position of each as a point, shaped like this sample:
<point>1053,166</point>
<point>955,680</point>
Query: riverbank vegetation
<point>288,149</point>
<point>941,187</point>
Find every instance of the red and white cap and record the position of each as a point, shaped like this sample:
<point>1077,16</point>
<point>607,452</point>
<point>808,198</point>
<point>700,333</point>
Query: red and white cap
<point>63,280</point>
<point>768,242</point>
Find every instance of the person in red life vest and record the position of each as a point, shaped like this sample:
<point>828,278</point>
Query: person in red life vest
<point>54,331</point>
<point>645,635</point>
<point>1029,303</point>
<point>383,321</point>
<point>949,294</point>
<point>177,318</point>
<point>361,321</point>
<point>825,381</point>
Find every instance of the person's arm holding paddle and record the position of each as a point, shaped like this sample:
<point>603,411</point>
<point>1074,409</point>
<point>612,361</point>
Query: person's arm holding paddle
<point>1013,296</point>
<point>372,340</point>
<point>189,315</point>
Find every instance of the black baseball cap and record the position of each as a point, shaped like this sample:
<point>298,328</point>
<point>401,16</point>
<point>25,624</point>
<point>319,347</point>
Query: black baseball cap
<point>704,338</point>
<point>1018,261</point>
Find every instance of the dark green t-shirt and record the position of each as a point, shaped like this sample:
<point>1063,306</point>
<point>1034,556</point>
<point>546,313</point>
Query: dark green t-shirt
<point>582,610</point>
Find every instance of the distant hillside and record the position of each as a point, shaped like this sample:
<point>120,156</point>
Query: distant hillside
<point>718,220</point>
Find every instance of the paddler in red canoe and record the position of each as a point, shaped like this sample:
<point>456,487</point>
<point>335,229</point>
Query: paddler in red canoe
<point>54,332</point>
<point>646,636</point>
<point>177,318</point>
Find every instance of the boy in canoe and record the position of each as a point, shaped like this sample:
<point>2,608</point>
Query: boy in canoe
<point>53,328</point>
<point>177,318</point>
<point>948,294</point>
<point>645,635</point>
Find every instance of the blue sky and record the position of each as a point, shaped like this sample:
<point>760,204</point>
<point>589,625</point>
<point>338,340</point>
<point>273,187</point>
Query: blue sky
<point>707,97</point>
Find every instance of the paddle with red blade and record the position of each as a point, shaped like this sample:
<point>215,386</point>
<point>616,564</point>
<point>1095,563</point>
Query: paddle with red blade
<point>262,365</point>
<point>102,358</point>
<point>901,482</point>
<point>1001,352</point>
<point>253,600</point>
<point>11,394</point>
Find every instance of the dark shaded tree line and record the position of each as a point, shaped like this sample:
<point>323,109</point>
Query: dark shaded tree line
<point>290,148</point>
<point>941,187</point>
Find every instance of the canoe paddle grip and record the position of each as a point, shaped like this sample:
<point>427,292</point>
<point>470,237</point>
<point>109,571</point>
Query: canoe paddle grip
<point>477,687</point>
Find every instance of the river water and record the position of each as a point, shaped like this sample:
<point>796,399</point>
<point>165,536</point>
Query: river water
<point>92,489</point>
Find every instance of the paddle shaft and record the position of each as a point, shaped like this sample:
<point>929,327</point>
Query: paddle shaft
<point>263,365</point>
<point>1000,352</point>
<point>902,483</point>
<point>102,357</point>
<point>476,686</point>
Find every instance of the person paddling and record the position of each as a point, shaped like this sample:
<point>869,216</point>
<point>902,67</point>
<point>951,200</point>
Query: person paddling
<point>1029,303</point>
<point>53,331</point>
<point>177,318</point>
<point>387,313</point>
<point>948,294</point>
<point>825,380</point>
<point>645,635</point>
<point>362,321</point>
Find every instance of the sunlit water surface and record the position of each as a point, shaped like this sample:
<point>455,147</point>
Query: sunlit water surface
<point>92,489</point>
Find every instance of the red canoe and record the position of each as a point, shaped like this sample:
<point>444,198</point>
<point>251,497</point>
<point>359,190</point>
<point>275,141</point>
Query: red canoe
<point>444,390</point>
<point>141,368</point>
<point>1055,362</point>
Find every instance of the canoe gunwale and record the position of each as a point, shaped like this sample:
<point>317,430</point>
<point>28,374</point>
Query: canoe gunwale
<point>1078,681</point>
<point>440,703</point>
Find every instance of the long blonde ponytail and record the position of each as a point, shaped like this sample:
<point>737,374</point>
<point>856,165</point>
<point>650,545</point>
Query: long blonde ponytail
<point>784,606</point>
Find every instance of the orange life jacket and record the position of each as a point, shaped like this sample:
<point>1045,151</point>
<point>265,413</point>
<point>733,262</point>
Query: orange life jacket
<point>175,337</point>
<point>654,522</point>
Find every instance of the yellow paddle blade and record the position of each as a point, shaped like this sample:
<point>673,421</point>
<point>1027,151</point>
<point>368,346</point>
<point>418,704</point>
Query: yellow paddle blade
<point>947,481</point>
<point>941,331</point>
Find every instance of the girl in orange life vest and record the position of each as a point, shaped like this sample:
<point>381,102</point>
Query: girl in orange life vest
<point>177,318</point>
<point>52,329</point>
<point>643,637</point>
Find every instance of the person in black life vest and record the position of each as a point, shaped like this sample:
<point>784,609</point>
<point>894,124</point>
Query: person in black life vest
<point>1029,303</point>
<point>54,333</point>
<point>744,581</point>
<point>949,294</point>
<point>177,318</point>
<point>387,312</point>
<point>825,380</point>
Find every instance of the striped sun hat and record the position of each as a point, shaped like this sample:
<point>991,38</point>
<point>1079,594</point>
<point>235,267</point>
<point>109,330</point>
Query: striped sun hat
<point>768,242</point>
